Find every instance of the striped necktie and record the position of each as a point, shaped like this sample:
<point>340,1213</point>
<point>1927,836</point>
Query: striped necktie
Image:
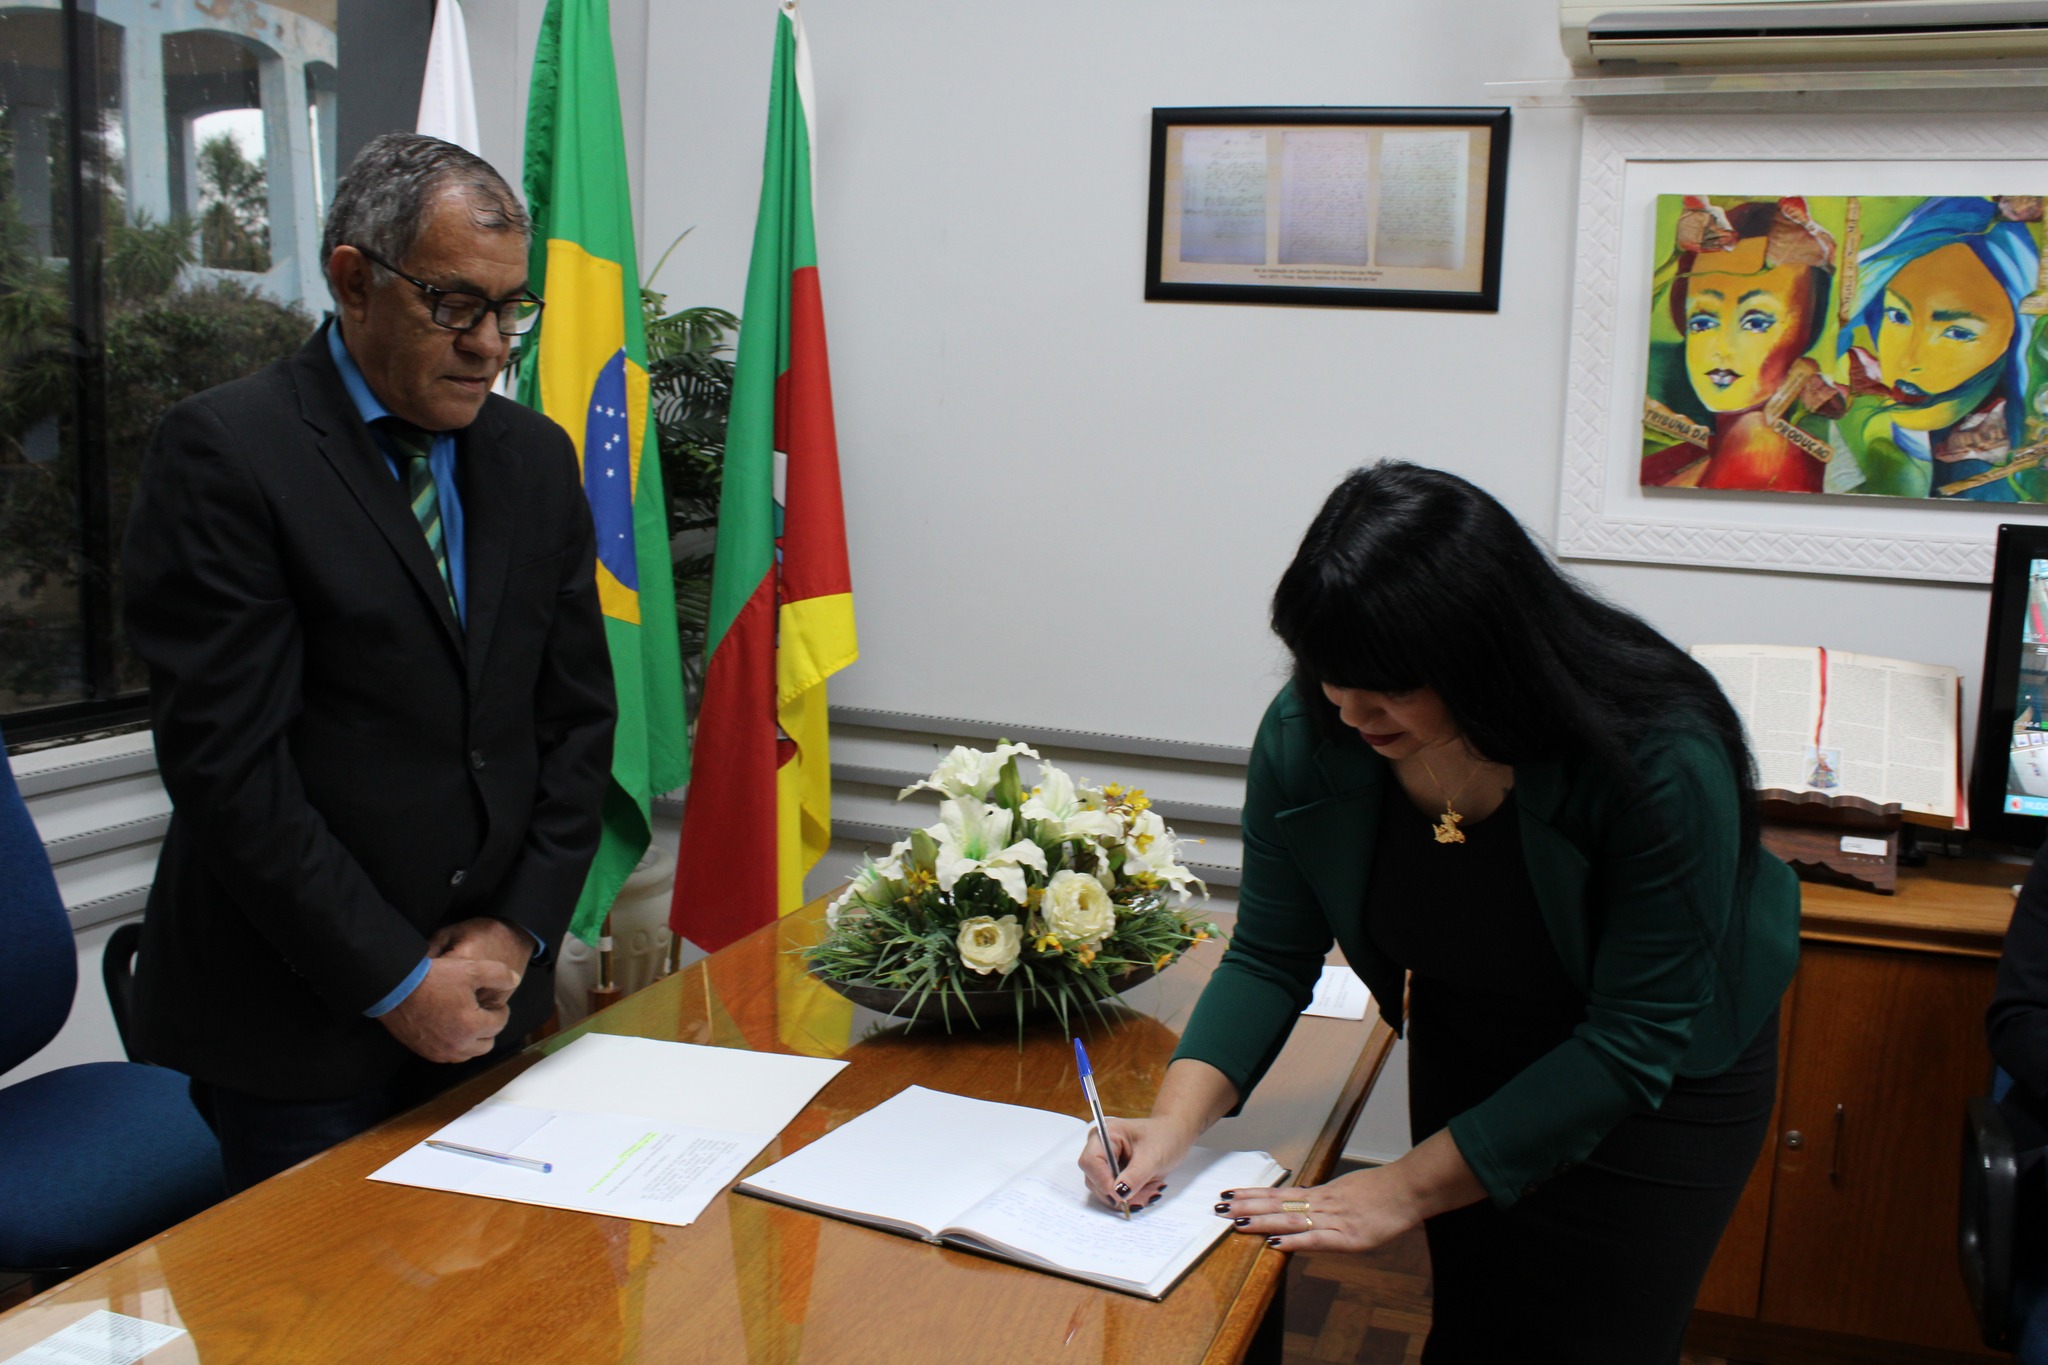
<point>409,446</point>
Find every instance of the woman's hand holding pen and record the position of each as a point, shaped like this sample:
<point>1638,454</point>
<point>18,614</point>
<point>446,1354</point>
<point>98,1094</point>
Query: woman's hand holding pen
<point>1147,1150</point>
<point>1193,1096</point>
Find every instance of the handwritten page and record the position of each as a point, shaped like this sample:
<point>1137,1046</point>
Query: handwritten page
<point>1324,178</point>
<point>1340,994</point>
<point>1223,196</point>
<point>1422,199</point>
<point>1048,1213</point>
<point>98,1338</point>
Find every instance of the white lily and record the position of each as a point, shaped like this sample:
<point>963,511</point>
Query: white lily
<point>870,886</point>
<point>1063,810</point>
<point>1151,849</point>
<point>969,772</point>
<point>974,836</point>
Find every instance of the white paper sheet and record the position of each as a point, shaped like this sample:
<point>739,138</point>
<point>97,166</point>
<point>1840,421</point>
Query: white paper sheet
<point>634,1128</point>
<point>1340,994</point>
<point>1049,1213</point>
<point>99,1338</point>
<point>868,1167</point>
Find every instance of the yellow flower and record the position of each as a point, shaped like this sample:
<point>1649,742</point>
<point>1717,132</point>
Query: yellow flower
<point>1159,964</point>
<point>1113,792</point>
<point>1139,801</point>
<point>920,880</point>
<point>1087,955</point>
<point>1201,935</point>
<point>1047,943</point>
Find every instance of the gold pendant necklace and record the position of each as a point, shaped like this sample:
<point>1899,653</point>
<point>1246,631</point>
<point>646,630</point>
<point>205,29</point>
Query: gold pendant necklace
<point>1446,827</point>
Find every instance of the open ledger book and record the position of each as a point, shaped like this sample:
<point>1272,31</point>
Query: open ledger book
<point>1831,728</point>
<point>1000,1179</point>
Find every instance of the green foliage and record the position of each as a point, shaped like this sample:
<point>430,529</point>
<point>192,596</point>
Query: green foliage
<point>898,927</point>
<point>234,215</point>
<point>689,373</point>
<point>145,258</point>
<point>162,342</point>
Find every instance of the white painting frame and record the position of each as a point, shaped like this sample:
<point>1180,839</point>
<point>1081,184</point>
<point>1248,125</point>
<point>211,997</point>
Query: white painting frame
<point>1625,162</point>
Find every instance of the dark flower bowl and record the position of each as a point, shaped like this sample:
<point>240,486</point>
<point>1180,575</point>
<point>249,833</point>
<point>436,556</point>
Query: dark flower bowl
<point>994,1007</point>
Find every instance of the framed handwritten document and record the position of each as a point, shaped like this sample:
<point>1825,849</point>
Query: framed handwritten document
<point>1349,208</point>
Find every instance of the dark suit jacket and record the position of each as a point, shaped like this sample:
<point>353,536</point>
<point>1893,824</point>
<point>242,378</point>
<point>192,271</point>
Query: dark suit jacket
<point>348,768</point>
<point>1680,966</point>
<point>2017,1021</point>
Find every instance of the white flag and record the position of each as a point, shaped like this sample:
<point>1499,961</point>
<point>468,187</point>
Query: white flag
<point>448,98</point>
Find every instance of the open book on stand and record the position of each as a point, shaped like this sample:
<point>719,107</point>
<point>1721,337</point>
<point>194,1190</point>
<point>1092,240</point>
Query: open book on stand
<point>1001,1180</point>
<point>1847,746</point>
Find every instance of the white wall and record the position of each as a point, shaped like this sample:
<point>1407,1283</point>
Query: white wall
<point>1091,494</point>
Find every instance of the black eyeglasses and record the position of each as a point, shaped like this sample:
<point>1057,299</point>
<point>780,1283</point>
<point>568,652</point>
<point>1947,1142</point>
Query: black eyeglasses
<point>461,312</point>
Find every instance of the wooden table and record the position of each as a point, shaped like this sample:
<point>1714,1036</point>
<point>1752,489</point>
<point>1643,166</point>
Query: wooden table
<point>321,1264</point>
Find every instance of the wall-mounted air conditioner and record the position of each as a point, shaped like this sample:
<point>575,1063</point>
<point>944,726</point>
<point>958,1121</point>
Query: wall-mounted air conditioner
<point>1807,32</point>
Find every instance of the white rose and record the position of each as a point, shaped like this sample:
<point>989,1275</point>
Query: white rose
<point>990,945</point>
<point>1077,909</point>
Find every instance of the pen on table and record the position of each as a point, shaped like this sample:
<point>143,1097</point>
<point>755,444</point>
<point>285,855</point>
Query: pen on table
<point>524,1163</point>
<point>1101,1123</point>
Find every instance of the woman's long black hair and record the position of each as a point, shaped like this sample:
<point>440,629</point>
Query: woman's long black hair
<point>1411,577</point>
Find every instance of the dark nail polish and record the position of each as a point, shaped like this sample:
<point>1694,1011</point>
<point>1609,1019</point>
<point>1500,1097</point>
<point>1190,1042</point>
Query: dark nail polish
<point>1228,1194</point>
<point>1155,1199</point>
<point>1123,1189</point>
<point>1272,1241</point>
<point>1240,1222</point>
<point>1164,1188</point>
<point>1223,1208</point>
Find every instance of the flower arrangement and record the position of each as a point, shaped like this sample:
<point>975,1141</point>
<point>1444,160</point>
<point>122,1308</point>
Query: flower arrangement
<point>1052,894</point>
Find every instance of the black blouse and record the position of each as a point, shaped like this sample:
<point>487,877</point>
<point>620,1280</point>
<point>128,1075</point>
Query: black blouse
<point>1487,994</point>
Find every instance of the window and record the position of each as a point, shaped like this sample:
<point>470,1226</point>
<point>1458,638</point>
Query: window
<point>163,172</point>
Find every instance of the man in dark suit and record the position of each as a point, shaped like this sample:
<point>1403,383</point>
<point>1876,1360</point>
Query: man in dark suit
<point>364,588</point>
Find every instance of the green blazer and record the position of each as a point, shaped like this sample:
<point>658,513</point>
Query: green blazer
<point>1679,968</point>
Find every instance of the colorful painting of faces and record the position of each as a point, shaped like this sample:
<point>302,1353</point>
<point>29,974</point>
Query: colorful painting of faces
<point>1887,345</point>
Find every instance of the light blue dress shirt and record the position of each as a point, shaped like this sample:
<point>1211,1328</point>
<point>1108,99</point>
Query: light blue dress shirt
<point>441,462</point>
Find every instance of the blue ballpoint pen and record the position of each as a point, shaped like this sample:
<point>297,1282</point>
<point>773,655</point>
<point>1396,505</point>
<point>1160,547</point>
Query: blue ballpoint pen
<point>524,1163</point>
<point>1101,1123</point>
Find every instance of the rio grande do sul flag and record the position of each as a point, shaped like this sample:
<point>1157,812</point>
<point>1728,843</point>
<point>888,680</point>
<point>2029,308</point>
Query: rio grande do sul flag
<point>589,372</point>
<point>758,814</point>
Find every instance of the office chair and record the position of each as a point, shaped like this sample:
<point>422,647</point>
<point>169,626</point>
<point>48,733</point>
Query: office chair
<point>93,1157</point>
<point>2004,1253</point>
<point>1988,1210</point>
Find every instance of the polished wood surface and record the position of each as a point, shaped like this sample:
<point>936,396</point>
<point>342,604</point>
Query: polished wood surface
<point>1952,905</point>
<point>1849,1244</point>
<point>1889,1046</point>
<point>321,1264</point>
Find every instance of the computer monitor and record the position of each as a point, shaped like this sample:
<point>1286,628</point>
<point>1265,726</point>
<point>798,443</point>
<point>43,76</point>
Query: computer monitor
<point>2009,775</point>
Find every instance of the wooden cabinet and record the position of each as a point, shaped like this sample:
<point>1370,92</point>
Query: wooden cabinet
<point>1848,1226</point>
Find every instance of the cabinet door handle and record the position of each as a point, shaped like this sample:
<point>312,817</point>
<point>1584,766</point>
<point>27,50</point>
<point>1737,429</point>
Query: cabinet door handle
<point>1795,1139</point>
<point>1835,1151</point>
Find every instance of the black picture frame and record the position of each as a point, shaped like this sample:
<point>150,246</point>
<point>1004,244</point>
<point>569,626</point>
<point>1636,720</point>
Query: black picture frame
<point>1339,211</point>
<point>2006,652</point>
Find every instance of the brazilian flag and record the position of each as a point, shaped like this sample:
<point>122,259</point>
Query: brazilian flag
<point>588,371</point>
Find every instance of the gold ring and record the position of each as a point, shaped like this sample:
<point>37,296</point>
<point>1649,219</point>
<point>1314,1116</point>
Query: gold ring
<point>1294,1206</point>
<point>1308,1223</point>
